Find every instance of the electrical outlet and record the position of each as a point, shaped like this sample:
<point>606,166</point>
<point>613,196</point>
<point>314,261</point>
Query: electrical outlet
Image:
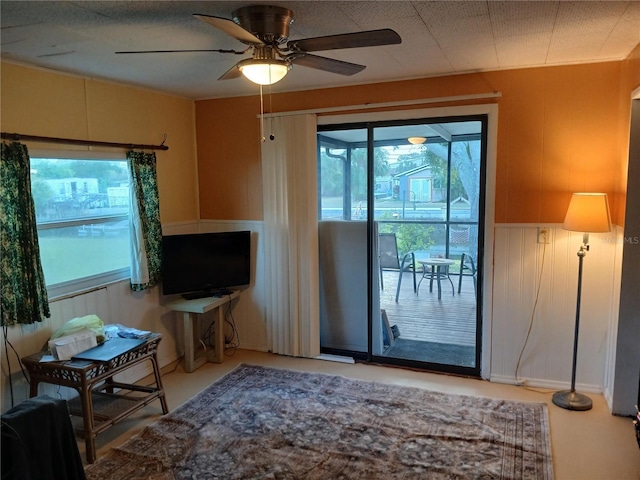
<point>544,235</point>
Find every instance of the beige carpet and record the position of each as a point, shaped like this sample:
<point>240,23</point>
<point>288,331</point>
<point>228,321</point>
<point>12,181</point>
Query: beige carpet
<point>260,422</point>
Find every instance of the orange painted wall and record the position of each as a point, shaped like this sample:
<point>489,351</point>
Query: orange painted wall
<point>50,104</point>
<point>559,131</point>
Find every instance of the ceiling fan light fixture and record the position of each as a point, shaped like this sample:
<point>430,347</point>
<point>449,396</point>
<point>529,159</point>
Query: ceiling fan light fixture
<point>264,72</point>
<point>416,140</point>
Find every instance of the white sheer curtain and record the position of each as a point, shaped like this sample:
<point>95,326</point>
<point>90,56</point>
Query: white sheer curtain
<point>139,266</point>
<point>289,183</point>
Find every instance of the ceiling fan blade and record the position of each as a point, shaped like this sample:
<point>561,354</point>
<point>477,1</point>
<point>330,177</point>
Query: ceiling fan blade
<point>233,72</point>
<point>230,28</point>
<point>185,51</point>
<point>370,38</point>
<point>327,64</point>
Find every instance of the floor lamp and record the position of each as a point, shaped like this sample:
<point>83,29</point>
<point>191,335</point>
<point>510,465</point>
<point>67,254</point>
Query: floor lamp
<point>587,213</point>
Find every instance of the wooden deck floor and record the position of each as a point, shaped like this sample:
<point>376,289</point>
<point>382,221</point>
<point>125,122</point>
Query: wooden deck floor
<point>421,316</point>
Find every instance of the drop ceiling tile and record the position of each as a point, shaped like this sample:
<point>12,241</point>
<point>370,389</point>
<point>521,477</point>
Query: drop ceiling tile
<point>588,18</point>
<point>443,12</point>
<point>619,44</point>
<point>577,53</point>
<point>464,31</point>
<point>375,14</point>
<point>577,42</point>
<point>416,36</point>
<point>428,61</point>
<point>310,20</point>
<point>522,50</point>
<point>25,40</point>
<point>522,18</point>
<point>465,60</point>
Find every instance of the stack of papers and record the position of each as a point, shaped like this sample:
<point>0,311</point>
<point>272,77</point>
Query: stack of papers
<point>117,330</point>
<point>128,332</point>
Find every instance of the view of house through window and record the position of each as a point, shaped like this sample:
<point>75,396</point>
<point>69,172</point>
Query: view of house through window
<point>82,211</point>
<point>423,197</point>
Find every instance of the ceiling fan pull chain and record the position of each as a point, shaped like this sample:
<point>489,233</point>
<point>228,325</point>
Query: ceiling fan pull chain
<point>262,139</point>
<point>271,136</point>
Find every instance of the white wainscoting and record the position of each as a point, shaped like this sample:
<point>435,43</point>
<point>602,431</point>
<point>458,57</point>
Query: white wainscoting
<point>113,303</point>
<point>249,313</point>
<point>116,303</point>
<point>547,357</point>
<point>546,360</point>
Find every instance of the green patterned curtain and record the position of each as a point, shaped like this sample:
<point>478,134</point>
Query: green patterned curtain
<point>146,231</point>
<point>24,291</point>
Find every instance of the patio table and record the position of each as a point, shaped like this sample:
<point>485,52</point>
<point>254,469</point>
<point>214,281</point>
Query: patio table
<point>438,270</point>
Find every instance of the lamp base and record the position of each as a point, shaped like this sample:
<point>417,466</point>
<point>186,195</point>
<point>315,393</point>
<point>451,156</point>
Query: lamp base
<point>572,400</point>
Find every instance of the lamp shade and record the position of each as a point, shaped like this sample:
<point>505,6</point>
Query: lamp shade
<point>588,213</point>
<point>264,72</point>
<point>416,140</point>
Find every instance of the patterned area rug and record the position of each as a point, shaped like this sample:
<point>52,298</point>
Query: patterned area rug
<point>267,423</point>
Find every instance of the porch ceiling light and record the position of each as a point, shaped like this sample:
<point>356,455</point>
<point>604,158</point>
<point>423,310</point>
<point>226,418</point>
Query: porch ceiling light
<point>416,140</point>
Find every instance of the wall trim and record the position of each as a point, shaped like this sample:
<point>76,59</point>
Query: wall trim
<point>257,223</point>
<point>528,225</point>
<point>542,383</point>
<point>405,103</point>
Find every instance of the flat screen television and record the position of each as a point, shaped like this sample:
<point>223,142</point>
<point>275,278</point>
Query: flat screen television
<point>204,264</point>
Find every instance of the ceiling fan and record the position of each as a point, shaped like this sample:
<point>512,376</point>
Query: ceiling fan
<point>265,29</point>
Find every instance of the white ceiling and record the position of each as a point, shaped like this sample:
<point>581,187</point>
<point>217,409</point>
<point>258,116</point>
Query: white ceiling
<point>438,38</point>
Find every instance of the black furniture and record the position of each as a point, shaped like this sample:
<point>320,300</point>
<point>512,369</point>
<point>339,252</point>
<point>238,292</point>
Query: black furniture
<point>38,442</point>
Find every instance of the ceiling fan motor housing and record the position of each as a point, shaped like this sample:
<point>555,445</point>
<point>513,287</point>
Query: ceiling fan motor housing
<point>270,24</point>
<point>265,52</point>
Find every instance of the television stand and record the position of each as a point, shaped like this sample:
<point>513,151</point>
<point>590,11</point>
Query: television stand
<point>193,309</point>
<point>206,294</point>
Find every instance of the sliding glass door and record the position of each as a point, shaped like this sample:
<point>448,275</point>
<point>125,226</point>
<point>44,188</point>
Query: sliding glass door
<point>400,230</point>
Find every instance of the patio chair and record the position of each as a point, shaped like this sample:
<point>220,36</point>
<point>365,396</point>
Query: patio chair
<point>468,263</point>
<point>389,259</point>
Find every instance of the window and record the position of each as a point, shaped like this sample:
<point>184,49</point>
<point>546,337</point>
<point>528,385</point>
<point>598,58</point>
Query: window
<point>82,211</point>
<point>428,194</point>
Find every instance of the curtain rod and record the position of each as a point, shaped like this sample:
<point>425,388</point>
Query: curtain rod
<point>70,141</point>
